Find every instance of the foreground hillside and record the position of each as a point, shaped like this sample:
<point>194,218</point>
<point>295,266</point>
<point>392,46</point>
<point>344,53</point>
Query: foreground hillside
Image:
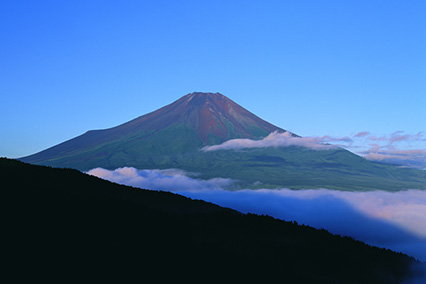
<point>63,224</point>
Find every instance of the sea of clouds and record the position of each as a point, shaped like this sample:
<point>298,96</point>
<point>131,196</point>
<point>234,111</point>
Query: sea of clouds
<point>395,220</point>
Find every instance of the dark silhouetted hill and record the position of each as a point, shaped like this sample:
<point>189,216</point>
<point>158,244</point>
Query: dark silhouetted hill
<point>61,224</point>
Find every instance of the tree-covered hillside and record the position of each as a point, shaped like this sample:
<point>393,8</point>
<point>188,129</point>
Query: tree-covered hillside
<point>61,224</point>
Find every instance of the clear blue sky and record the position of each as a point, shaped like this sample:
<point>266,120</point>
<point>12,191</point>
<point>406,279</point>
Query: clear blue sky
<point>312,67</point>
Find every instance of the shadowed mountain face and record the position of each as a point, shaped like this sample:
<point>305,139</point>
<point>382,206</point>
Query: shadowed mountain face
<point>172,136</point>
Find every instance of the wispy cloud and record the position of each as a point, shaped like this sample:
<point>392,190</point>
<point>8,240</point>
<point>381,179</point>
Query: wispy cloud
<point>361,134</point>
<point>393,220</point>
<point>399,136</point>
<point>397,148</point>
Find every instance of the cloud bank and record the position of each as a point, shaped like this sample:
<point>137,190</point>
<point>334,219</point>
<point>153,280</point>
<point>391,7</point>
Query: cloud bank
<point>274,139</point>
<point>168,180</point>
<point>398,148</point>
<point>395,220</point>
<point>374,217</point>
<point>407,158</point>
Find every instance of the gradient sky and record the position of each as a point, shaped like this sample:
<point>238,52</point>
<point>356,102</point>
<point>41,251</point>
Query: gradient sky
<point>312,67</point>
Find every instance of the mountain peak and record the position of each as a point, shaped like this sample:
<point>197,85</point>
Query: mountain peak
<point>217,118</point>
<point>201,98</point>
<point>190,123</point>
<point>204,94</point>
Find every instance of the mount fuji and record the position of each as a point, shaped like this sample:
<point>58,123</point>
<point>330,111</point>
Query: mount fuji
<point>174,136</point>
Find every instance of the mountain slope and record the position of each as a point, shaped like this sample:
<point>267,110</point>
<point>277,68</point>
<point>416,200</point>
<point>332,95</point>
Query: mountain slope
<point>63,224</point>
<point>193,121</point>
<point>172,136</point>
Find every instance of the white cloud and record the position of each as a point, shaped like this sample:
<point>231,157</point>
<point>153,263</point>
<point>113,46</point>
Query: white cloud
<point>275,139</point>
<point>414,158</point>
<point>169,179</point>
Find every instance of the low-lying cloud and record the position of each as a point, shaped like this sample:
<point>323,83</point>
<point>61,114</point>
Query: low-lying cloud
<point>168,180</point>
<point>372,217</point>
<point>274,139</point>
<point>408,158</point>
<point>395,220</point>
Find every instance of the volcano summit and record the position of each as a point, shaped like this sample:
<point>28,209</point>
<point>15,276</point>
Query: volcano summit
<point>173,136</point>
<point>193,121</point>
